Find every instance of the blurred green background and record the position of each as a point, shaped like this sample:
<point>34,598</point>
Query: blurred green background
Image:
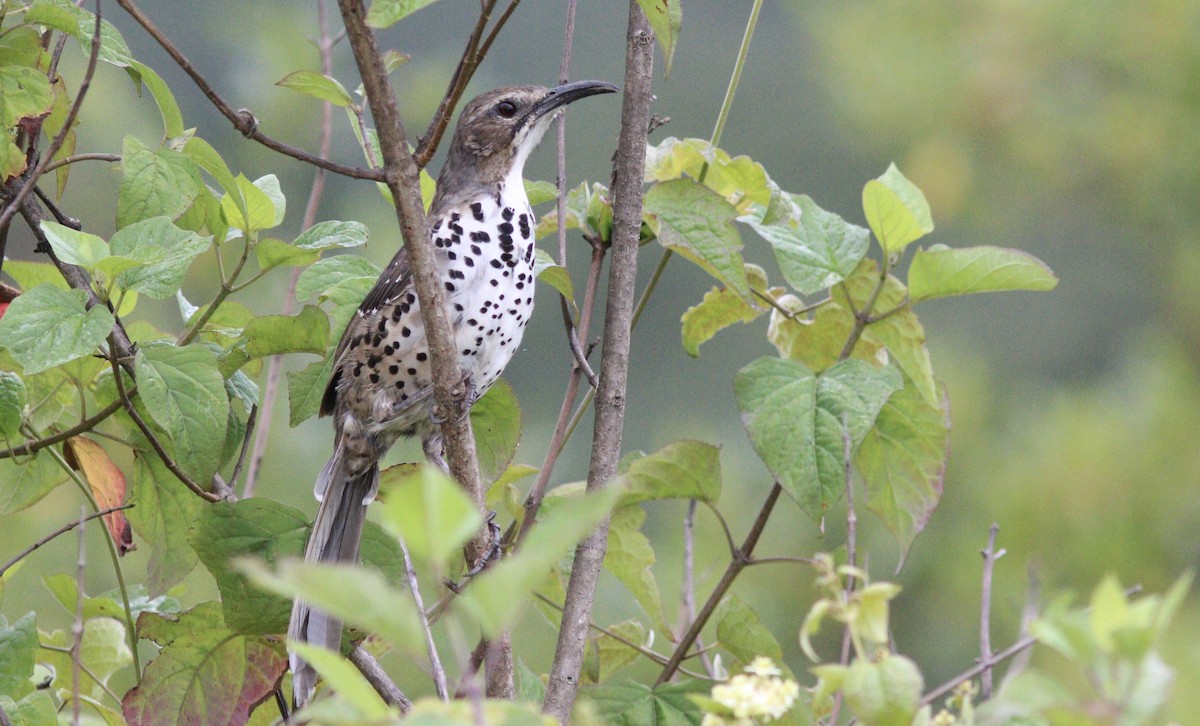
<point>1067,128</point>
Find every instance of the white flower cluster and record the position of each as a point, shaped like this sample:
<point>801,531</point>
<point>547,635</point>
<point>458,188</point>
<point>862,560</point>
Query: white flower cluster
<point>760,692</point>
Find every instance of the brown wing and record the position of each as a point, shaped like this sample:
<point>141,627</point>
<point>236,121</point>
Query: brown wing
<point>394,282</point>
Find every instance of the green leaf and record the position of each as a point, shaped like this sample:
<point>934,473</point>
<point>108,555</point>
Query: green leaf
<point>496,419</point>
<point>666,17</point>
<point>12,404</point>
<point>719,309</point>
<point>497,597</point>
<point>204,673</point>
<point>431,513</point>
<point>306,388</point>
<point>206,157</point>
<point>613,655</point>
<point>104,650</point>
<point>940,271</point>
<point>900,332</point>
<point>12,159</point>
<point>628,703</point>
<point>680,470</point>
<point>815,252</point>
<point>896,210</point>
<point>261,212</point>
<point>555,276</point>
<point>795,421</point>
<point>172,118</point>
<point>631,559</point>
<point>184,393</point>
<point>24,481</point>
<point>323,235</point>
<point>886,693</point>
<point>358,595</point>
<point>155,183</point>
<point>24,93</point>
<point>35,709</point>
<point>317,85</point>
<point>164,509</point>
<point>75,247</point>
<point>273,253</point>
<point>164,250</point>
<point>903,461</point>
<point>305,332</point>
<point>695,221</point>
<point>31,274</point>
<point>81,23</point>
<point>346,680</point>
<point>386,13</point>
<point>332,271</point>
<point>48,326</point>
<point>18,650</point>
<point>742,633</point>
<point>540,192</point>
<point>65,590</point>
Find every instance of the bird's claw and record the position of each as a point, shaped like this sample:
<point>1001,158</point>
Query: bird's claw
<point>469,399</point>
<point>493,551</point>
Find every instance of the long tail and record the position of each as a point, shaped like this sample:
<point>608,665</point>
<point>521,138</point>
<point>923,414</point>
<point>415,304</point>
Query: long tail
<point>335,537</point>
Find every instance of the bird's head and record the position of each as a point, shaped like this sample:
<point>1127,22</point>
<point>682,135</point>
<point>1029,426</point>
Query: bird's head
<point>498,129</point>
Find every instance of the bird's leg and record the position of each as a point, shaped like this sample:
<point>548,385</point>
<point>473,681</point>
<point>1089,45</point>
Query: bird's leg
<point>493,551</point>
<point>469,398</point>
<point>434,453</point>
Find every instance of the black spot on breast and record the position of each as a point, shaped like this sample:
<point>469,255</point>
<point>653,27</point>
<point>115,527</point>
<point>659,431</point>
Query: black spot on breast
<point>496,263</point>
<point>477,211</point>
<point>422,356</point>
<point>399,385</point>
<point>524,224</point>
<point>405,331</point>
<point>358,369</point>
<point>475,250</point>
<point>469,261</point>
<point>394,369</point>
<point>480,236</point>
<point>374,378</point>
<point>450,286</point>
<point>494,282</point>
<point>505,228</point>
<point>455,227</point>
<point>508,214</point>
<point>506,242</point>
<point>451,255</point>
<point>412,371</point>
<point>437,225</point>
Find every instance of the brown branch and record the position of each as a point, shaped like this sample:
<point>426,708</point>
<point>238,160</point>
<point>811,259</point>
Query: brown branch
<point>251,420</point>
<point>87,424</point>
<point>378,678</point>
<point>275,367</point>
<point>96,156</point>
<point>61,530</point>
<point>990,555</point>
<point>629,168</point>
<point>16,201</point>
<point>242,119</point>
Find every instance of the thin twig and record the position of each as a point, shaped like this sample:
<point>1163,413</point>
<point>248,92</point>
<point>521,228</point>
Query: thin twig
<point>17,200</point>
<point>629,169</point>
<point>379,679</point>
<point>1020,645</point>
<point>733,548</point>
<point>435,661</point>
<point>851,553</point>
<point>61,530</point>
<point>33,445</point>
<point>275,366</point>
<point>86,671</point>
<point>687,593</point>
<point>81,157</point>
<point>251,420</point>
<point>77,625</point>
<point>990,555</point>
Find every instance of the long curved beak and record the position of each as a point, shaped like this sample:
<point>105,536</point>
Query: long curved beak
<point>568,93</point>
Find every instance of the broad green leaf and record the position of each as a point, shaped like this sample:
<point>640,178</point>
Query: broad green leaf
<point>815,252</point>
<point>24,93</point>
<point>719,309</point>
<point>55,14</point>
<point>666,17</point>
<point>540,192</point>
<point>75,247</point>
<point>184,393</point>
<point>207,158</point>
<point>696,222</point>
<point>884,693</point>
<point>346,680</point>
<point>431,513</point>
<point>64,589</point>
<point>498,596</point>
<point>628,703</point>
<point>48,326</point>
<point>35,709</point>
<point>613,655</point>
<point>165,252</point>
<point>155,183</point>
<point>306,387</point>
<point>496,420</point>
<point>272,253</point>
<point>896,210</point>
<point>172,118</point>
<point>18,650</point>
<point>12,159</point>
<point>903,461</point>
<point>795,421</point>
<point>269,185</point>
<point>358,595</point>
<point>31,274</point>
<point>631,559</point>
<point>164,509</point>
<point>12,404</point>
<point>941,271</point>
<point>742,633</point>
<point>386,13</point>
<point>556,276</point>
<point>305,332</point>
<point>104,651</point>
<point>317,85</point>
<point>259,207</point>
<point>204,673</point>
<point>900,332</point>
<point>331,271</point>
<point>680,470</point>
<point>817,341</point>
<point>323,235</point>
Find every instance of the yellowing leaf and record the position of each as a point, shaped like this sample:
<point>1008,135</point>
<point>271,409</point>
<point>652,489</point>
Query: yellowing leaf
<point>107,483</point>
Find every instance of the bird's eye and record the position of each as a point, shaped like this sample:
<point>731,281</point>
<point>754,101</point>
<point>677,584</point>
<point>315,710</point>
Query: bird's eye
<point>507,109</point>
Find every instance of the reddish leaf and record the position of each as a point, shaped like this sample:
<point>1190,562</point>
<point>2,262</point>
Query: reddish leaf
<point>107,483</point>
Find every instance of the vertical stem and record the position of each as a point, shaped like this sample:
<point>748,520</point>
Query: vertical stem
<point>77,625</point>
<point>736,77</point>
<point>990,555</point>
<point>614,368</point>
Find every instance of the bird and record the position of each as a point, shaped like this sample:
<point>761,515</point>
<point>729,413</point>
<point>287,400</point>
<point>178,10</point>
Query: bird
<point>381,389</point>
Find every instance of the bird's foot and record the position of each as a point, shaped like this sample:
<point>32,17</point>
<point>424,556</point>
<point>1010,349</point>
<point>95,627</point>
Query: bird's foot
<point>470,396</point>
<point>493,551</point>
